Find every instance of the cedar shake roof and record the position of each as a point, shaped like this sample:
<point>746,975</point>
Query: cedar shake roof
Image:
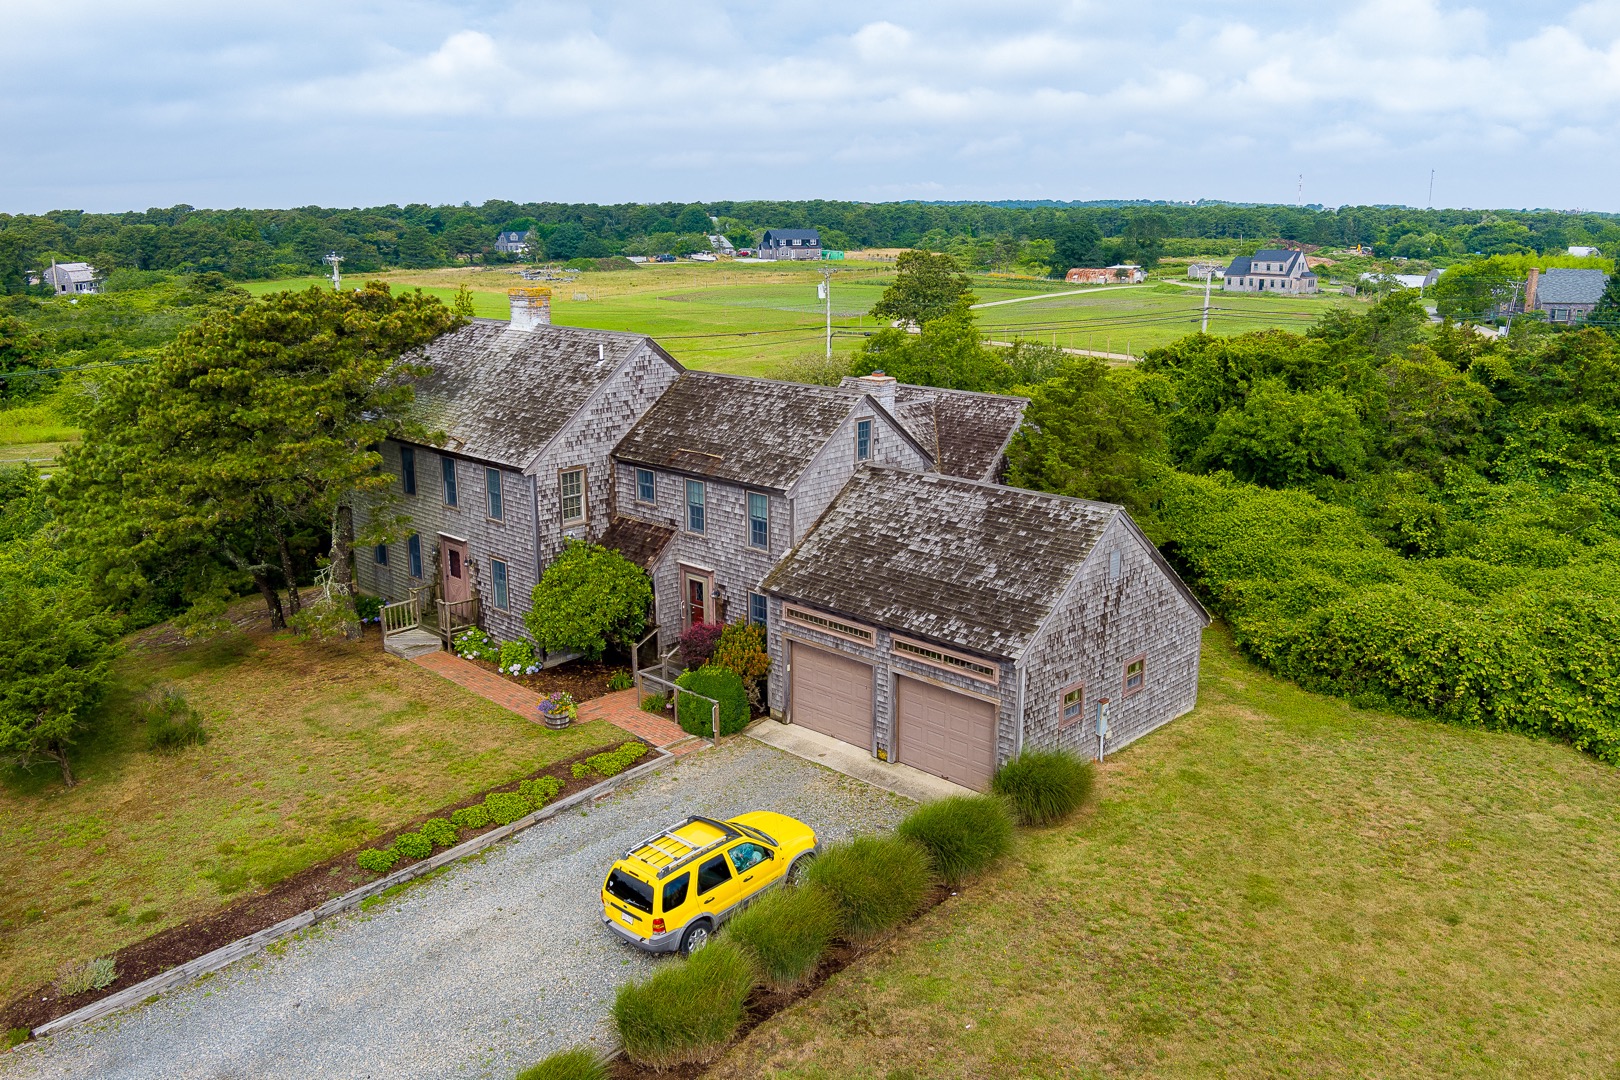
<point>500,395</point>
<point>960,562</point>
<point>729,427</point>
<point>967,433</point>
<point>642,542</point>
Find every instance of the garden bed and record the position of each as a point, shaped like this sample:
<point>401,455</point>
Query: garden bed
<point>584,679</point>
<point>298,893</point>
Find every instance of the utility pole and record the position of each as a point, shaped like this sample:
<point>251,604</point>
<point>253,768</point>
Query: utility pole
<point>334,259</point>
<point>1431,189</point>
<point>1208,277</point>
<point>824,292</point>
<point>1299,192</point>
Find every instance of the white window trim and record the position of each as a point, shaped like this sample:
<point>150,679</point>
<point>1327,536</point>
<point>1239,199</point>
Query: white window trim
<point>635,478</point>
<point>829,624</point>
<point>584,495</point>
<point>686,507</point>
<point>500,490</point>
<point>748,521</point>
<point>903,646</point>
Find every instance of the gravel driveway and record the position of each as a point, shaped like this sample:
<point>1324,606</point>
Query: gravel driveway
<point>478,972</point>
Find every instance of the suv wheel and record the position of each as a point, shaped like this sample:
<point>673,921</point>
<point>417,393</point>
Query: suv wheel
<point>795,874</point>
<point>696,936</point>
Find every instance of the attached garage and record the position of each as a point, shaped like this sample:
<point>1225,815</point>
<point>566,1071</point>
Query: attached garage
<point>944,732</point>
<point>830,693</point>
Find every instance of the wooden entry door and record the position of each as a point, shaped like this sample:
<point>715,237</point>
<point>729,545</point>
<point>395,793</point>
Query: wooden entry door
<point>455,583</point>
<point>697,597</point>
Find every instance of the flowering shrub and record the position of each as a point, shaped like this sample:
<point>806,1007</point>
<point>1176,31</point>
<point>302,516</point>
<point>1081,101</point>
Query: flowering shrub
<point>517,658</point>
<point>368,609</point>
<point>474,644</point>
<point>698,642</point>
<point>559,705</point>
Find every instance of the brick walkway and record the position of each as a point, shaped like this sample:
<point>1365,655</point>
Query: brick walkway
<point>620,708</point>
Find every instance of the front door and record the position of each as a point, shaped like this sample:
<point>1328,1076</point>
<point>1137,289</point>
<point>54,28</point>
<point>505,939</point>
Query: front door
<point>698,592</point>
<point>453,560</point>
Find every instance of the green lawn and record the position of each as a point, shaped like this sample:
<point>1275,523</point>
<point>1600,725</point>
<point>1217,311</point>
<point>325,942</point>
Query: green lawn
<point>1275,884</point>
<point>315,748</point>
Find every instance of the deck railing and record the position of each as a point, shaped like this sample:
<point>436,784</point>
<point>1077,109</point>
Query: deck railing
<point>456,616</point>
<point>401,615</point>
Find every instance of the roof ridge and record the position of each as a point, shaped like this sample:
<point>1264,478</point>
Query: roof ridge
<point>936,477</point>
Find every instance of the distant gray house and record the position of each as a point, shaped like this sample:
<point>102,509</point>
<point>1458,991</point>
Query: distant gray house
<point>913,606</point>
<point>1271,270</point>
<point>1566,296</point>
<point>514,243</point>
<point>948,624</point>
<point>790,244</point>
<point>71,279</point>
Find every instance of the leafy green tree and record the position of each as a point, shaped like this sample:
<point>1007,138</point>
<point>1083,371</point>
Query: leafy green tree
<point>1093,433</point>
<point>21,349</point>
<point>590,598</point>
<point>1281,437</point>
<point>1077,243</point>
<point>948,352</point>
<point>566,241</point>
<point>1145,235</point>
<point>926,286</point>
<point>694,219</point>
<point>1606,315</point>
<point>1480,289</point>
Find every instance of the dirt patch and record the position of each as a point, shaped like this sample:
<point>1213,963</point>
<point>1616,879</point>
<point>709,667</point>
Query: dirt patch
<point>288,897</point>
<point>764,1004</point>
<point>584,679</point>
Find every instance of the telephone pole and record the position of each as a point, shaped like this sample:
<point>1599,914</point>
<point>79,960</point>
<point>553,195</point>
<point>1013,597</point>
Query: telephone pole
<point>334,260</point>
<point>1431,189</point>
<point>1209,275</point>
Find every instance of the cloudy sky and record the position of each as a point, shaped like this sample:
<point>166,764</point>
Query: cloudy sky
<point>355,102</point>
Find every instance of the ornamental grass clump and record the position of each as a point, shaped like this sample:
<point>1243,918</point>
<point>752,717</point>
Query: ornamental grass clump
<point>787,932</point>
<point>875,882</point>
<point>688,1010</point>
<point>575,1064</point>
<point>962,834</point>
<point>1044,786</point>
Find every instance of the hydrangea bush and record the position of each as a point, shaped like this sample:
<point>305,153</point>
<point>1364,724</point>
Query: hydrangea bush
<point>474,644</point>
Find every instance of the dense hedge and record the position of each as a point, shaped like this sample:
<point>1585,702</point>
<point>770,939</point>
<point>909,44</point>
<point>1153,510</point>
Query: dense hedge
<point>1312,593</point>
<point>697,717</point>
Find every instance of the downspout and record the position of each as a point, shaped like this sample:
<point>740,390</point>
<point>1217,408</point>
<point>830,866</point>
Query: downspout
<point>534,523</point>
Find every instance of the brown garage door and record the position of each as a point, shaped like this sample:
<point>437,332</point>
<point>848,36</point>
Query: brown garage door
<point>946,733</point>
<point>832,694</point>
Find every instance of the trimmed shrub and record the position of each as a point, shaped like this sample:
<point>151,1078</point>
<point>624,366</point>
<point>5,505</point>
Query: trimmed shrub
<point>610,762</point>
<point>698,642</point>
<point>589,598</point>
<point>505,807</point>
<point>576,1064</point>
<point>725,687</point>
<point>876,882</point>
<point>540,791</point>
<point>688,1011</point>
<point>470,817</point>
<point>741,648</point>
<point>786,931</point>
<point>1044,786</point>
<point>439,832</point>
<point>962,834</point>
<point>377,860</point>
<point>413,845</point>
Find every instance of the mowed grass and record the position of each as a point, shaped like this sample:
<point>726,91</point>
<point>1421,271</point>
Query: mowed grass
<point>1277,884</point>
<point>313,749</point>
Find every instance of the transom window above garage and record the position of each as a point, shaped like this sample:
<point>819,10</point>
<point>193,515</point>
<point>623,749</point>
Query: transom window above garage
<point>805,617</point>
<point>950,661</point>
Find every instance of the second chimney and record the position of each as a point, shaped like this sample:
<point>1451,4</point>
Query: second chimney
<point>880,386</point>
<point>531,307</point>
<point>1532,279</point>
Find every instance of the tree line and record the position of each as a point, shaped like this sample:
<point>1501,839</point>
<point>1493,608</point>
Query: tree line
<point>245,244</point>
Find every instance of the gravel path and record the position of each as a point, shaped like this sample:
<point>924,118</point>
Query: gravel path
<point>477,972</point>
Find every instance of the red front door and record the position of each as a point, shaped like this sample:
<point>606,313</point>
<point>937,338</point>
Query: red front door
<point>698,589</point>
<point>456,585</point>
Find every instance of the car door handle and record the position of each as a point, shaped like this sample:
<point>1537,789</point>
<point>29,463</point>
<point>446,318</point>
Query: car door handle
<point>750,877</point>
<point>710,900</point>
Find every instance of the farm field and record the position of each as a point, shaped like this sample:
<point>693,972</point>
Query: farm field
<point>749,319</point>
<point>313,749</point>
<point>1277,884</point>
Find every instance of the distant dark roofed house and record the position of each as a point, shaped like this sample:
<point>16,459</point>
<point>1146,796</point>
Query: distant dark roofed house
<point>790,244</point>
<point>1567,296</point>
<point>513,243</point>
<point>501,395</point>
<point>966,433</point>
<point>743,430</point>
<point>1270,270</point>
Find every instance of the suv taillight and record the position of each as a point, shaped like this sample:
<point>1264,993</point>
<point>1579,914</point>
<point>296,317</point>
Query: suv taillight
<point>658,926</point>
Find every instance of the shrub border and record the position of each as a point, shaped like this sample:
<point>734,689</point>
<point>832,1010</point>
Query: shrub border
<point>225,955</point>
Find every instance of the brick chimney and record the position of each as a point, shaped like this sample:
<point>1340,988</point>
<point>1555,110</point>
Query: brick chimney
<point>531,307</point>
<point>1530,283</point>
<point>881,387</point>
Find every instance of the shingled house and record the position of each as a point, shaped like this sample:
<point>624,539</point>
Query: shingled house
<point>1271,270</point>
<point>947,624</point>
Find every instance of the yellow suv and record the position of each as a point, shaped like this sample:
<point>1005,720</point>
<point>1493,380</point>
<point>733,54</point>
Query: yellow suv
<point>673,890</point>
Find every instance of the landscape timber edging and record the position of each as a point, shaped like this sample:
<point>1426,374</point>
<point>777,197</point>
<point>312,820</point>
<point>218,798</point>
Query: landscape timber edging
<point>225,955</point>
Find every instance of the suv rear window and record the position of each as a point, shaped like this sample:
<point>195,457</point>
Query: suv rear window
<point>638,894</point>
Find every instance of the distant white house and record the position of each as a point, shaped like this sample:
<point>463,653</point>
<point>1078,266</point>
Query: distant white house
<point>1201,270</point>
<point>1405,281</point>
<point>721,245</point>
<point>514,243</point>
<point>1270,270</point>
<point>1584,252</point>
<point>74,278</point>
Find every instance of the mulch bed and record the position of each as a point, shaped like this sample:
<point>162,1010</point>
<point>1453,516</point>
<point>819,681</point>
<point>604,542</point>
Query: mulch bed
<point>288,897</point>
<point>764,1004</point>
<point>584,679</point>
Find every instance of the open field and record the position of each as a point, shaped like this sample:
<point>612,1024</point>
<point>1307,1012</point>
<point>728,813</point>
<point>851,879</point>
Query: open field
<point>313,749</point>
<point>1275,884</point>
<point>748,318</point>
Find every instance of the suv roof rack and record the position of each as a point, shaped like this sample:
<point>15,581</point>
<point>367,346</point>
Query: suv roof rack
<point>666,841</point>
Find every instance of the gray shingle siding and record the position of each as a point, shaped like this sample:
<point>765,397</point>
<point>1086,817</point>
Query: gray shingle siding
<point>835,463</point>
<point>1094,630</point>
